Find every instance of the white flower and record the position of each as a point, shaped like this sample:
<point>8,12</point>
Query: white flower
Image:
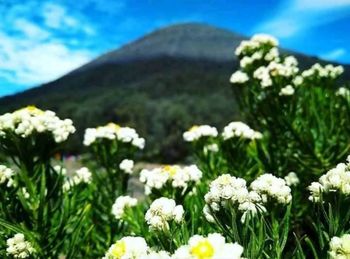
<point>335,180</point>
<point>228,189</point>
<point>265,38</point>
<point>113,131</point>
<point>161,212</point>
<point>211,148</point>
<point>197,132</point>
<point>292,179</point>
<point>18,247</point>
<point>343,91</point>
<point>6,176</point>
<point>328,71</point>
<point>340,247</point>
<point>213,246</point>
<point>246,61</point>
<point>273,54</point>
<point>120,204</point>
<point>178,177</point>
<point>127,248</point>
<point>30,120</point>
<point>298,80</point>
<point>240,129</point>
<point>60,169</point>
<point>82,175</point>
<point>315,189</point>
<point>287,90</point>
<point>239,77</point>
<point>25,193</point>
<point>269,187</point>
<point>127,166</point>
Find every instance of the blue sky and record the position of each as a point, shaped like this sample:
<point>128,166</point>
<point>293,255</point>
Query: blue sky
<point>42,40</point>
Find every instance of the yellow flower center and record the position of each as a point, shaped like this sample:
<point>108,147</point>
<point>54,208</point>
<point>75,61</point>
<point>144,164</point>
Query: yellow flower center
<point>225,179</point>
<point>203,250</point>
<point>193,128</point>
<point>171,170</point>
<point>114,126</point>
<point>32,110</point>
<point>118,249</point>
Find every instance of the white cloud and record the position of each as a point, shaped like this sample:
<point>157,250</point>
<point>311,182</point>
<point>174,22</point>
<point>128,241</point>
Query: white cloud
<point>334,54</point>
<point>321,4</point>
<point>297,16</point>
<point>29,63</point>
<point>32,51</point>
<point>56,17</point>
<point>30,29</point>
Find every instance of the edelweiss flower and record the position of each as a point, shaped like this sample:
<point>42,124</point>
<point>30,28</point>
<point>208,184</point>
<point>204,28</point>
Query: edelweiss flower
<point>343,91</point>
<point>292,179</point>
<point>288,90</point>
<point>328,71</point>
<point>178,177</point>
<point>127,248</point>
<point>240,129</point>
<point>239,77</point>
<point>213,246</point>
<point>197,132</point>
<point>121,203</point>
<point>6,176</point>
<point>335,180</point>
<point>30,120</point>
<point>82,175</point>
<point>127,166</point>
<point>18,247</point>
<point>113,131</point>
<point>340,247</point>
<point>161,212</point>
<point>229,190</point>
<point>271,187</point>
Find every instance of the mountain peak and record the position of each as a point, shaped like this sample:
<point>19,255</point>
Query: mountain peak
<point>187,40</point>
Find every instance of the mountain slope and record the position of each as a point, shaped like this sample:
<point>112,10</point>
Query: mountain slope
<point>191,41</point>
<point>160,84</point>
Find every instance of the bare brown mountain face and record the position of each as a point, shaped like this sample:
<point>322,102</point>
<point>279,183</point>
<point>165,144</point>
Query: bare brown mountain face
<point>161,84</point>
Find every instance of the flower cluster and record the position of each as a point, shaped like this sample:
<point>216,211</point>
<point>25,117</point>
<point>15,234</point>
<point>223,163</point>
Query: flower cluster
<point>121,203</point>
<point>18,247</point>
<point>128,248</point>
<point>270,187</point>
<point>287,90</point>
<point>292,179</point>
<point>82,175</point>
<point>335,180</point>
<point>239,77</point>
<point>240,129</point>
<point>287,69</point>
<point>197,132</point>
<point>340,247</point>
<point>30,120</point>
<point>214,246</point>
<point>249,48</point>
<point>227,190</point>
<point>343,91</point>
<point>126,166</point>
<point>177,176</point>
<point>60,169</point>
<point>113,131</point>
<point>6,176</point>
<point>328,71</point>
<point>163,211</point>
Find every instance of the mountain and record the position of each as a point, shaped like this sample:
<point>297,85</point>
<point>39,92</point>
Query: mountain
<point>161,84</point>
